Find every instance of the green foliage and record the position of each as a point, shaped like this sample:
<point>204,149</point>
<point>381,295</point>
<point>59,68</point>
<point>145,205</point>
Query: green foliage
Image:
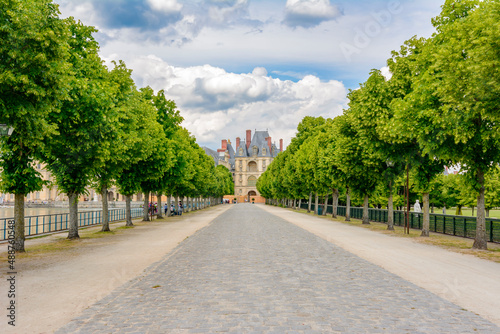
<point>33,79</point>
<point>83,122</point>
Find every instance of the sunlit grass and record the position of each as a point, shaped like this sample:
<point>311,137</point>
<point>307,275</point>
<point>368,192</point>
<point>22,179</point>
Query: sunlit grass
<point>452,243</point>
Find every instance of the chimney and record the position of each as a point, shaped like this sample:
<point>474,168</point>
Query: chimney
<point>269,144</point>
<point>281,145</point>
<point>249,138</point>
<point>224,144</point>
<point>237,142</point>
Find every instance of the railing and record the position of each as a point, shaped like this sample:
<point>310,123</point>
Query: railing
<point>34,225</point>
<point>461,226</point>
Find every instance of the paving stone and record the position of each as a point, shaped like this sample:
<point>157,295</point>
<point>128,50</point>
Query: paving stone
<point>250,271</point>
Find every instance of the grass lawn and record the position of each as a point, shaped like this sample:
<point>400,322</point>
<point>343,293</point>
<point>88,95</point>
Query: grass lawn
<point>452,243</point>
<point>468,212</point>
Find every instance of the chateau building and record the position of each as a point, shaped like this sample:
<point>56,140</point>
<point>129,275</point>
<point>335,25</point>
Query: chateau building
<point>248,161</point>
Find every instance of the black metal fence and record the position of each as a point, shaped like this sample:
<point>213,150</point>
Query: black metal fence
<point>461,226</point>
<point>59,222</point>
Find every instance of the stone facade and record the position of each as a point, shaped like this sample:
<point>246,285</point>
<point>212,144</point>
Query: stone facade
<point>50,194</point>
<point>248,161</point>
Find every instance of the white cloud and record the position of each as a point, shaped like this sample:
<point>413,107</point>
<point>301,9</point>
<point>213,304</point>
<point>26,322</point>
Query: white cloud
<point>167,6</point>
<point>217,104</point>
<point>309,13</point>
<point>386,72</point>
<point>221,15</point>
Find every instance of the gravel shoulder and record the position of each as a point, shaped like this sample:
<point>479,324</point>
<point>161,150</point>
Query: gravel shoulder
<point>464,280</point>
<point>54,288</point>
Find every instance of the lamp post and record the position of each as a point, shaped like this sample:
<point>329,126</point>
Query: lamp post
<point>5,131</point>
<point>390,204</point>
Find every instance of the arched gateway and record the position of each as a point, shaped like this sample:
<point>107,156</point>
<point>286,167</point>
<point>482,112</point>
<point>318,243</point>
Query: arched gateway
<point>251,194</point>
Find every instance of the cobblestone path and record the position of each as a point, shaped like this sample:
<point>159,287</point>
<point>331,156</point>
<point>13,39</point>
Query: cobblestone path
<point>250,271</point>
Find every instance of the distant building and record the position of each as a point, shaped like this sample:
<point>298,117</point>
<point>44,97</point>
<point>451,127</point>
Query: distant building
<point>248,161</point>
<point>218,160</point>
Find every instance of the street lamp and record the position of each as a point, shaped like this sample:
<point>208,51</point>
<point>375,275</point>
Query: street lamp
<point>6,130</point>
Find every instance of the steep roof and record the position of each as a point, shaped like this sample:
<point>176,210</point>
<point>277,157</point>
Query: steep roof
<point>213,154</point>
<point>243,152</point>
<point>231,155</point>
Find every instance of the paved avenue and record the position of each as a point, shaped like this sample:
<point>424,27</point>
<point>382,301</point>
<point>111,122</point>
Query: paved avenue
<point>252,272</point>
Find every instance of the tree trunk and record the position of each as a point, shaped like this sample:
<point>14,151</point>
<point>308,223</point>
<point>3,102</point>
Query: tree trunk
<point>309,204</point>
<point>316,204</point>
<point>160,209</point>
<point>480,241</point>
<point>105,209</point>
<point>145,210</point>
<point>487,212</point>
<point>366,217</point>
<point>73,216</point>
<point>444,210</point>
<point>335,202</point>
<point>390,210</point>
<point>128,209</point>
<point>472,214</point>
<point>432,208</point>
<point>169,203</point>
<point>325,206</point>
<point>426,222</point>
<point>348,207</point>
<point>300,204</point>
<point>19,223</point>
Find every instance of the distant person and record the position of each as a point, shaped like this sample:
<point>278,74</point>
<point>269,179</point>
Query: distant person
<point>166,208</point>
<point>181,207</point>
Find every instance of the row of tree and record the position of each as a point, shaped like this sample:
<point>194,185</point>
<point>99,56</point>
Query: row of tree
<point>89,124</point>
<point>439,108</point>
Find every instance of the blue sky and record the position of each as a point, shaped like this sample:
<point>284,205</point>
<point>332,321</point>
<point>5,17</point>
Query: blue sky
<point>233,65</point>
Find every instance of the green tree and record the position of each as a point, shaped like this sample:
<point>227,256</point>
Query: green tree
<point>169,118</point>
<point>455,100</point>
<point>143,128</point>
<point>83,122</point>
<point>359,162</point>
<point>33,79</point>
<point>122,124</point>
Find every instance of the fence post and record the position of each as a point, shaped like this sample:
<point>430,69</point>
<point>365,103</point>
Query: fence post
<point>491,230</point>
<point>454,226</point>
<point>465,227</point>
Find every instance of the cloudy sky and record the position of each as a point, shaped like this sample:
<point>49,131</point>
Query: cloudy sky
<point>232,65</point>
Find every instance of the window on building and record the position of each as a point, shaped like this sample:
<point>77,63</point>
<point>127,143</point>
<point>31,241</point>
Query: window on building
<point>241,151</point>
<point>264,151</point>
<point>37,195</point>
<point>255,151</point>
<point>252,166</point>
<point>252,181</point>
